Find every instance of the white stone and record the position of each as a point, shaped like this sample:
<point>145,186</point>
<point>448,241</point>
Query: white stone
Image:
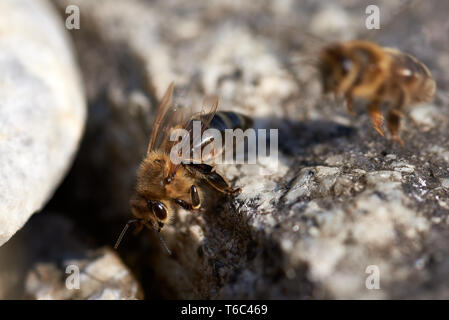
<point>425,115</point>
<point>445,183</point>
<point>331,20</point>
<point>42,109</point>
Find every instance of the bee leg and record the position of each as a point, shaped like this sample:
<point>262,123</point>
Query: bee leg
<point>376,117</point>
<point>393,124</point>
<point>350,104</point>
<point>394,118</point>
<point>183,204</point>
<point>215,179</point>
<point>196,201</point>
<point>220,183</point>
<point>195,196</point>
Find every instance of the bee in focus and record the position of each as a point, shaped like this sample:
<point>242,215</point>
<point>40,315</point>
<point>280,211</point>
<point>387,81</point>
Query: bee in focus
<point>163,185</point>
<point>362,69</point>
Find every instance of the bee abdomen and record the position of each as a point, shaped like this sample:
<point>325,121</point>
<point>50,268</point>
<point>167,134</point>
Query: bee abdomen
<point>223,120</point>
<point>415,76</point>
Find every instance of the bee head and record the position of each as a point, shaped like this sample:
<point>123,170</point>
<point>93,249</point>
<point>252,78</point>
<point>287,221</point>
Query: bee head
<point>153,212</point>
<point>334,66</point>
<point>149,213</point>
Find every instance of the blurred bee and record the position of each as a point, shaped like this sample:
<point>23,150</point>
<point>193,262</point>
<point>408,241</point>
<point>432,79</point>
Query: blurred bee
<point>163,185</point>
<point>362,69</point>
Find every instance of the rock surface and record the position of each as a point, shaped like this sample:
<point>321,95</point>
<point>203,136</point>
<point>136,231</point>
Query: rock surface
<point>342,202</point>
<point>50,258</point>
<point>42,109</point>
<point>99,276</point>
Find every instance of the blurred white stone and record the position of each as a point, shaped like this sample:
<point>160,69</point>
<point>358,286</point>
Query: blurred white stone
<point>332,20</point>
<point>101,276</point>
<point>445,183</point>
<point>42,109</point>
<point>425,115</point>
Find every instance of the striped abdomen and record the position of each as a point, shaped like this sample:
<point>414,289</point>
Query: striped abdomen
<point>221,121</point>
<point>413,75</point>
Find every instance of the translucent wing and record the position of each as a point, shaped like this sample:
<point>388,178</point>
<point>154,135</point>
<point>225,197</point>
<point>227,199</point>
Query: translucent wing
<point>188,140</point>
<point>165,105</point>
<point>207,117</point>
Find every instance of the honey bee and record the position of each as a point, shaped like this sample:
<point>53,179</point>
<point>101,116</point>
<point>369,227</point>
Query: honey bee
<point>363,69</point>
<point>163,185</point>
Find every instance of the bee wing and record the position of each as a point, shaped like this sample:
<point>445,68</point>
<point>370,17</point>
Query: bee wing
<point>203,116</point>
<point>168,116</point>
<point>205,119</point>
<point>164,106</point>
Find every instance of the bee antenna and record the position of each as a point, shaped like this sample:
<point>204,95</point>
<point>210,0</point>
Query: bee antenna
<point>125,228</point>
<point>161,239</point>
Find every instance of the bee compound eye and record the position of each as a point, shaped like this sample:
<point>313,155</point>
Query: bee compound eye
<point>159,210</point>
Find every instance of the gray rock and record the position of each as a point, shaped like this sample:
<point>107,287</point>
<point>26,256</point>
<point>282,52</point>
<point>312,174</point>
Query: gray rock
<point>99,276</point>
<point>343,199</point>
<point>42,109</point>
<point>51,258</point>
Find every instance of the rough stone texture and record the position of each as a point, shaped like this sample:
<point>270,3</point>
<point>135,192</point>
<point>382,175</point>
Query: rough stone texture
<point>342,198</point>
<point>38,263</point>
<point>102,276</point>
<point>42,109</point>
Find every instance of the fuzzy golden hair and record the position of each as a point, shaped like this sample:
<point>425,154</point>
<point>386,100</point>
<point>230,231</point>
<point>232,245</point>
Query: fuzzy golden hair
<point>363,69</point>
